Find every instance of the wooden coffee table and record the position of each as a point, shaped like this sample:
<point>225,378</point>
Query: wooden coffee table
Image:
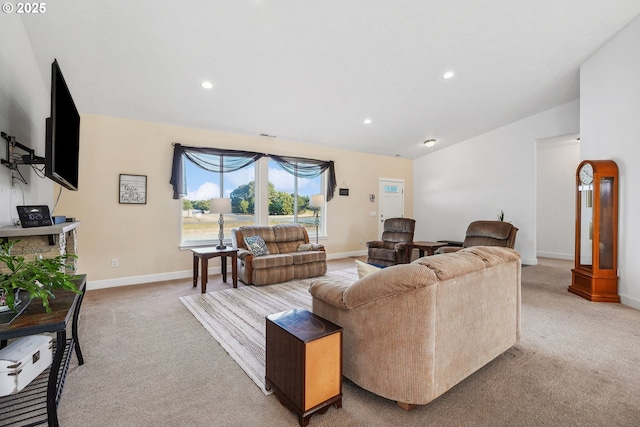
<point>422,247</point>
<point>211,252</point>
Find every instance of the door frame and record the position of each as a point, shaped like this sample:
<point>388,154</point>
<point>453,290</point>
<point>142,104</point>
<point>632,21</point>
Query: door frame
<point>380,181</point>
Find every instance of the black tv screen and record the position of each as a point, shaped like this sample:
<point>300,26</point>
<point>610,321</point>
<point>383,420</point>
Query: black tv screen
<point>63,134</point>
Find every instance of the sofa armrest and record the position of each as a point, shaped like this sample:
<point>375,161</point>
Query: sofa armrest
<point>244,253</point>
<point>381,284</point>
<point>330,291</point>
<point>400,247</point>
<point>375,244</point>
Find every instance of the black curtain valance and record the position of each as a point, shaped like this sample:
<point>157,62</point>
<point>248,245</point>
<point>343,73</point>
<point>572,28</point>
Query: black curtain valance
<point>221,161</point>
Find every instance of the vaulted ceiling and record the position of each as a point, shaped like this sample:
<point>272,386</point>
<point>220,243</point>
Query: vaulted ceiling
<point>313,71</point>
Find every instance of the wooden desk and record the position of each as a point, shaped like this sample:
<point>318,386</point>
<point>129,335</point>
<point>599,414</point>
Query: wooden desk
<point>212,252</point>
<point>422,247</point>
<point>38,402</point>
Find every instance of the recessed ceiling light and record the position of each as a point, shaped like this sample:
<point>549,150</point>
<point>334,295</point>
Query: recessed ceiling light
<point>367,121</point>
<point>447,75</point>
<point>207,85</point>
<point>430,142</point>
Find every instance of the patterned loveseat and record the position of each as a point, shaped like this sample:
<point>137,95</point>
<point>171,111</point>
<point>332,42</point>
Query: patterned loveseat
<point>290,255</point>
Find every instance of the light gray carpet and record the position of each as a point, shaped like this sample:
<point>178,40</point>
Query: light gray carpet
<point>149,362</point>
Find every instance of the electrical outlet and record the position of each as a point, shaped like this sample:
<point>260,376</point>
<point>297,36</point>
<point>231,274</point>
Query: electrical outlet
<point>114,262</point>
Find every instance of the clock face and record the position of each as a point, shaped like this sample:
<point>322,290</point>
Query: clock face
<point>586,173</point>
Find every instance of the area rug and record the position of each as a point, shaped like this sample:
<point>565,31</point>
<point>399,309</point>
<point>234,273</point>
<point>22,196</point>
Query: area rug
<point>236,317</point>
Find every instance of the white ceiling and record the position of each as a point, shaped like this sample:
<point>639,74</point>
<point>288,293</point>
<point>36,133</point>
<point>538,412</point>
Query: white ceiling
<point>312,71</point>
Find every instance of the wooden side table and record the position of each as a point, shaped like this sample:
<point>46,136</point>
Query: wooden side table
<point>38,402</point>
<point>422,247</point>
<point>212,252</point>
<point>304,362</point>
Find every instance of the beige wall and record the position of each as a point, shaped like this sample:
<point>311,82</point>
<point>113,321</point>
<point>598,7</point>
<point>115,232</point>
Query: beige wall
<point>145,238</point>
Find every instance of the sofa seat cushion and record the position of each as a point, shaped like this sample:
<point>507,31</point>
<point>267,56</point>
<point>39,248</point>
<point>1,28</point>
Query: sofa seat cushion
<point>308,256</point>
<point>270,261</point>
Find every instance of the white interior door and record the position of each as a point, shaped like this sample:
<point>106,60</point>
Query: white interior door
<point>390,200</point>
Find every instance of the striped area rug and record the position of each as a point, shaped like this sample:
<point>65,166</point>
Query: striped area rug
<point>236,317</point>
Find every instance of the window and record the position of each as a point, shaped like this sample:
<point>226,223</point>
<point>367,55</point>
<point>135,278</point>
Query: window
<point>234,174</point>
<point>199,225</point>
<point>289,198</point>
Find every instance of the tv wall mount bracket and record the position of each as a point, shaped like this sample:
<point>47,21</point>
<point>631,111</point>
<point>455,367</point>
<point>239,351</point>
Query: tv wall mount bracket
<point>13,159</point>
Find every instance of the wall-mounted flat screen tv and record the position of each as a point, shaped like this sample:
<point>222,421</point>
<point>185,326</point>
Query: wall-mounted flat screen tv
<point>62,147</point>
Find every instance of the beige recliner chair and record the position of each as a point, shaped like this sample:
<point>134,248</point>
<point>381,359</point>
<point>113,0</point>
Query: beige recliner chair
<point>486,233</point>
<point>391,250</point>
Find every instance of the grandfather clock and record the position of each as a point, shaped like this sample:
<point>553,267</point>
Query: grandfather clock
<point>595,275</point>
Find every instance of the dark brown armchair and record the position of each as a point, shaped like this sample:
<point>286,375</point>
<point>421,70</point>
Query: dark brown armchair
<point>486,233</point>
<point>391,250</point>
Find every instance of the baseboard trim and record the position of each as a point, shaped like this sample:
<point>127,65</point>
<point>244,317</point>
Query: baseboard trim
<point>630,302</point>
<point>555,255</point>
<point>177,275</point>
<point>347,254</point>
<point>140,280</point>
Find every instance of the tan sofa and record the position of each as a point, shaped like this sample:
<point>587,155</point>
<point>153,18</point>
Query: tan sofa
<point>291,256</point>
<point>413,331</point>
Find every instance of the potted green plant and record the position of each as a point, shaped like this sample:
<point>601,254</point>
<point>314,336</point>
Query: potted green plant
<point>39,277</point>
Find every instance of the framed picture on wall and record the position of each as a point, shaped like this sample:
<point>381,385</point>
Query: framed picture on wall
<point>133,189</point>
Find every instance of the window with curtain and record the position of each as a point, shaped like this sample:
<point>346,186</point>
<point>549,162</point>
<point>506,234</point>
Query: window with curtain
<point>199,225</point>
<point>201,173</point>
<point>289,197</point>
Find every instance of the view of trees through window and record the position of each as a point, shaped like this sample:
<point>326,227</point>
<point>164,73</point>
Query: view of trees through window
<point>288,196</point>
<point>198,223</point>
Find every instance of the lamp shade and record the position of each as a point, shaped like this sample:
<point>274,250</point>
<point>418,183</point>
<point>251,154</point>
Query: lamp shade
<point>316,201</point>
<point>220,205</point>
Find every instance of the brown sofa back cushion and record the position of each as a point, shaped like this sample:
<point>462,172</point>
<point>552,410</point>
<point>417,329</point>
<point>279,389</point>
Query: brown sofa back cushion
<point>398,230</point>
<point>289,237</point>
<point>449,265</point>
<point>490,233</point>
<point>264,231</point>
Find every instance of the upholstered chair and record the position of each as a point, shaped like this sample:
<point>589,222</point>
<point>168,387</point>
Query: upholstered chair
<point>486,233</point>
<point>391,250</point>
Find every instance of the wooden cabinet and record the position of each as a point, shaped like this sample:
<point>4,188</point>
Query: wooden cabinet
<point>304,362</point>
<point>595,275</point>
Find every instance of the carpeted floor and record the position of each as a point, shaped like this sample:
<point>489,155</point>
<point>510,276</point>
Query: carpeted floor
<point>149,362</point>
<point>236,317</point>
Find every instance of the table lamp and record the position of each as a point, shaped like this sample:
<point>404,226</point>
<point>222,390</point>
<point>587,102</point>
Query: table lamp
<point>316,203</point>
<point>221,206</point>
